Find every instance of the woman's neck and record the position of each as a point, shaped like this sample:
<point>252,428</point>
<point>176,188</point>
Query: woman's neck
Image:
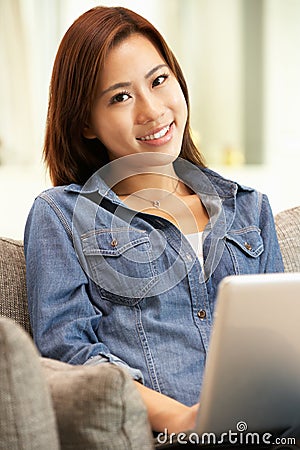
<point>146,181</point>
<point>137,172</point>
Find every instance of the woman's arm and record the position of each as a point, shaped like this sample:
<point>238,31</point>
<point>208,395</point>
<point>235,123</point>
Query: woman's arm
<point>64,320</point>
<point>167,413</point>
<point>271,259</point>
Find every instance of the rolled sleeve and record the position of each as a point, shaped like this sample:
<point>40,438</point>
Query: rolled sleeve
<point>135,374</point>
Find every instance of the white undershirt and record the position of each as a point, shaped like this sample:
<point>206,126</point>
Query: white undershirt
<point>195,240</point>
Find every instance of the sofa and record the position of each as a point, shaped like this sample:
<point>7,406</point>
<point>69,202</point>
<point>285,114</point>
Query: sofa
<point>48,404</point>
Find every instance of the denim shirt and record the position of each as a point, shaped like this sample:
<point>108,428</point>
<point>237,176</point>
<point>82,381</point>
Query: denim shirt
<point>109,284</point>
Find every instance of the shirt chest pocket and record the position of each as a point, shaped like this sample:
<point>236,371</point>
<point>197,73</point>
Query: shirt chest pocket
<point>120,262</point>
<point>245,246</point>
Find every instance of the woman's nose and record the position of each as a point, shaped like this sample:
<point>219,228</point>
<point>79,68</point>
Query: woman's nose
<point>148,109</point>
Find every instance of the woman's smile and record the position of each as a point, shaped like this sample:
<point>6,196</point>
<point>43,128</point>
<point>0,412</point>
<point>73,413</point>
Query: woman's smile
<point>158,137</point>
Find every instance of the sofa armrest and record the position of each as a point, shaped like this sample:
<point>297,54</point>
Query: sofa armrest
<point>27,417</point>
<point>97,407</point>
<point>288,232</point>
<point>13,295</point>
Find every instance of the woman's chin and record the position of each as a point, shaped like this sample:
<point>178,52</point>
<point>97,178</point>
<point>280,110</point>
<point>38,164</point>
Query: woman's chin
<point>150,159</point>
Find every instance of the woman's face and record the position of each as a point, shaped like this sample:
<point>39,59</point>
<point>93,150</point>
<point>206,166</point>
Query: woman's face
<point>139,105</point>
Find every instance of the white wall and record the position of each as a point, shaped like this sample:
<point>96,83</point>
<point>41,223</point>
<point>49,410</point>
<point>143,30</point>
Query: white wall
<point>282,86</point>
<point>212,59</point>
<point>18,188</point>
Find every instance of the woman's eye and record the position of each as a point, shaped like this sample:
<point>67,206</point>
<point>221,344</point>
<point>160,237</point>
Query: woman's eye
<point>160,80</point>
<point>120,98</point>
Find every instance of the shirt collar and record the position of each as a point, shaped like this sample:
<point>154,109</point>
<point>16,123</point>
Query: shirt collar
<point>94,184</point>
<point>205,181</point>
<point>200,179</point>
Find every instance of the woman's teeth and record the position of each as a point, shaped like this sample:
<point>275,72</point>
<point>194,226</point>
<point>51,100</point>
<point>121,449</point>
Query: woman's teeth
<point>157,135</point>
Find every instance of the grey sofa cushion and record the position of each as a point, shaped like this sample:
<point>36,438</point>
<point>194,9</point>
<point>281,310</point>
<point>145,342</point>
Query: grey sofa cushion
<point>288,232</point>
<point>97,407</point>
<point>13,296</point>
<point>27,418</point>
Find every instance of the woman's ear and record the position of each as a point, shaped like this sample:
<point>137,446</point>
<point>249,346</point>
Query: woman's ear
<point>88,132</point>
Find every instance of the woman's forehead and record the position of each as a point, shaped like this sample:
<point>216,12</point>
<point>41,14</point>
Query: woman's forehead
<point>134,54</point>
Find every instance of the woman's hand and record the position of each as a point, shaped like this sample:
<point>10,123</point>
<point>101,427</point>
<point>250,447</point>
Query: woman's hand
<point>166,413</point>
<point>184,420</point>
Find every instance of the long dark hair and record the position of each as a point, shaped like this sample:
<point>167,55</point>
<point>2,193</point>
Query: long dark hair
<point>70,157</point>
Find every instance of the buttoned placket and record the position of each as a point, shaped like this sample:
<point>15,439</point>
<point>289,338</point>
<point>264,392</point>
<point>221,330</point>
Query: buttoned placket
<point>197,287</point>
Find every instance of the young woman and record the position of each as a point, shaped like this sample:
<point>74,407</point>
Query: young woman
<point>125,253</point>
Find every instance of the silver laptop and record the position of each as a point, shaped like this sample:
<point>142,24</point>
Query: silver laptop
<point>252,375</point>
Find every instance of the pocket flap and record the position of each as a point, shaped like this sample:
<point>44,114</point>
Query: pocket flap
<point>112,242</point>
<point>249,240</point>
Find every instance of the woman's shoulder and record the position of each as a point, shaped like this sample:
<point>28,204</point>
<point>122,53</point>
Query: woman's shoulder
<point>222,180</point>
<point>53,205</point>
<point>246,198</point>
<point>59,194</point>
<point>56,201</point>
<point>227,188</point>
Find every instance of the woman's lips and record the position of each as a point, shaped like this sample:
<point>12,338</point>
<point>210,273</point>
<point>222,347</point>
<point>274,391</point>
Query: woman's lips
<point>160,137</point>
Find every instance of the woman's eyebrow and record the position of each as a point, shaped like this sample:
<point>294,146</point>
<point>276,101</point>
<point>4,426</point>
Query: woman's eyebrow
<point>152,71</point>
<point>115,86</point>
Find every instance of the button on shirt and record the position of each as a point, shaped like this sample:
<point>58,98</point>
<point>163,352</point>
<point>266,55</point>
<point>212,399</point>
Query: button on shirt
<point>108,284</point>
